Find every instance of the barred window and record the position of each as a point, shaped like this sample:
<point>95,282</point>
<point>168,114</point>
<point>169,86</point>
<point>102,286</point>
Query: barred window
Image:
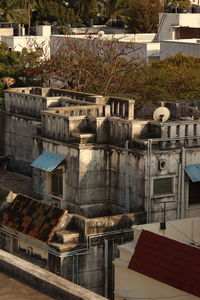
<point>57,183</point>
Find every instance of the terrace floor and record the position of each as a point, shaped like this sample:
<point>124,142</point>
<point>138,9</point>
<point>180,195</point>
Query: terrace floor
<point>12,289</point>
<point>15,182</point>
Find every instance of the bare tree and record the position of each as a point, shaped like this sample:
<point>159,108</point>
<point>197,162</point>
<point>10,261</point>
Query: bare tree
<point>92,65</point>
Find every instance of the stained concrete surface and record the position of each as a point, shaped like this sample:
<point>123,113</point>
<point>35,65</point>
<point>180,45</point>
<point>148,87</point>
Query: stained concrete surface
<point>15,182</point>
<point>11,289</point>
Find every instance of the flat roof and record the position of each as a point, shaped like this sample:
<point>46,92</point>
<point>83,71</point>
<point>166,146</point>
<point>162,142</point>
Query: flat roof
<point>186,41</point>
<point>13,289</point>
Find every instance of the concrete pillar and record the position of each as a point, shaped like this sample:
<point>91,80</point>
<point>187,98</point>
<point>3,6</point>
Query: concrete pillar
<point>43,30</point>
<point>131,106</point>
<point>107,110</point>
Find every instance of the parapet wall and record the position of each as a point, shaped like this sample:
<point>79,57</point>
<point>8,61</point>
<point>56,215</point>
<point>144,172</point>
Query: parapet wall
<point>55,286</point>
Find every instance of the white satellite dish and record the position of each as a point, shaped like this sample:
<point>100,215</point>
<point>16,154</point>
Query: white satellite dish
<point>101,34</point>
<point>161,114</point>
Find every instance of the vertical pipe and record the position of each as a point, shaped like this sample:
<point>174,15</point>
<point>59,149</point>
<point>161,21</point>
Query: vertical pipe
<point>178,212</point>
<point>106,268</point>
<point>61,269</point>
<point>73,270</point>
<point>148,203</point>
<point>127,204</point>
<point>77,277</point>
<point>183,204</point>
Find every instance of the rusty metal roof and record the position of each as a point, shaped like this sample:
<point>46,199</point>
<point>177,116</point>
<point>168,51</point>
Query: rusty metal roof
<point>47,161</point>
<point>32,217</point>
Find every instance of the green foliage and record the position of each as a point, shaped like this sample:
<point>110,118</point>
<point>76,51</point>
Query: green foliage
<point>2,100</point>
<point>143,15</point>
<point>11,12</point>
<point>92,65</point>
<point>18,65</point>
<point>55,13</point>
<point>86,9</point>
<point>176,77</point>
<point>181,3</point>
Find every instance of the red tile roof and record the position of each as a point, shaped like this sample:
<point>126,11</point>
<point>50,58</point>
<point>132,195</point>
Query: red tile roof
<point>32,217</point>
<point>169,261</point>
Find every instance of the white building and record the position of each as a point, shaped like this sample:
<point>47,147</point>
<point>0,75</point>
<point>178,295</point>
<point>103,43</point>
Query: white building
<point>160,263</point>
<point>189,47</point>
<point>39,43</point>
<point>145,48</point>
<point>170,22</point>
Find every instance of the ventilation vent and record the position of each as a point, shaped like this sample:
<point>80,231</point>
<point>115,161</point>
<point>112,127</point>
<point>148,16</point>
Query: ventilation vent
<point>163,186</point>
<point>162,164</point>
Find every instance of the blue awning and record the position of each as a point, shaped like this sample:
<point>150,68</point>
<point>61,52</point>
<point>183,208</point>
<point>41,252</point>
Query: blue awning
<point>193,172</point>
<point>47,161</point>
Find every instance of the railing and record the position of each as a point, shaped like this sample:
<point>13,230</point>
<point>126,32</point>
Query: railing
<point>25,104</point>
<point>182,132</point>
<point>76,95</point>
<point>88,110</point>
<point>119,132</point>
<point>55,127</point>
<point>123,108</point>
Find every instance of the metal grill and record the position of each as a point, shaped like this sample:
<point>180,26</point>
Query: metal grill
<point>163,186</point>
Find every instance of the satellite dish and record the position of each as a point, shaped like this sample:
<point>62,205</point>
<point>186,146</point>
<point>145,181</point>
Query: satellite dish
<point>101,34</point>
<point>161,114</point>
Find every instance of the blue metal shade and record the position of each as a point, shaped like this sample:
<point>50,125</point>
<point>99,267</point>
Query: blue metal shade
<point>193,172</point>
<point>47,161</point>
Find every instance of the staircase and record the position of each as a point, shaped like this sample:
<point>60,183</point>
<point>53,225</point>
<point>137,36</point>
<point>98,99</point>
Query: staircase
<point>156,38</point>
<point>65,240</point>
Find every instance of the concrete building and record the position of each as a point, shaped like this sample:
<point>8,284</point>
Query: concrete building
<point>160,263</point>
<point>108,161</point>
<point>171,27</point>
<point>107,155</point>
<point>46,43</point>
<point>189,47</point>
<point>77,248</point>
<point>143,44</point>
<point>170,24</point>
<point>39,42</point>
<point>21,280</point>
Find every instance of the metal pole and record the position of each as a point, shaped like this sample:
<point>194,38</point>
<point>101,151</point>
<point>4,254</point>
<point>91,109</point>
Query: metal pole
<point>77,276</point>
<point>73,270</point>
<point>183,204</point>
<point>148,203</point>
<point>105,268</point>
<point>127,203</point>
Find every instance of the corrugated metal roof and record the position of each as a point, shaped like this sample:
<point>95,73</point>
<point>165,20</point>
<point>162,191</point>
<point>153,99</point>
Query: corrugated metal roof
<point>169,261</point>
<point>47,161</point>
<point>193,172</point>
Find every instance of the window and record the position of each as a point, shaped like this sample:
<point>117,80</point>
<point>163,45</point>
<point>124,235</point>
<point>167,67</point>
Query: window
<point>194,191</point>
<point>163,186</point>
<point>57,183</point>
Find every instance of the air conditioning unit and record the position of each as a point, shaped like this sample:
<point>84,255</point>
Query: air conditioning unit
<point>162,164</point>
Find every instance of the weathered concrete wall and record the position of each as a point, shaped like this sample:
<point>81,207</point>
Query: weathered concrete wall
<point>117,168</point>
<point>2,132</point>
<point>40,185</point>
<point>177,205</point>
<point>93,268</point>
<point>41,279</point>
<point>171,48</point>
<point>93,182</point>
<point>94,226</point>
<point>18,142</point>
<point>94,179</point>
